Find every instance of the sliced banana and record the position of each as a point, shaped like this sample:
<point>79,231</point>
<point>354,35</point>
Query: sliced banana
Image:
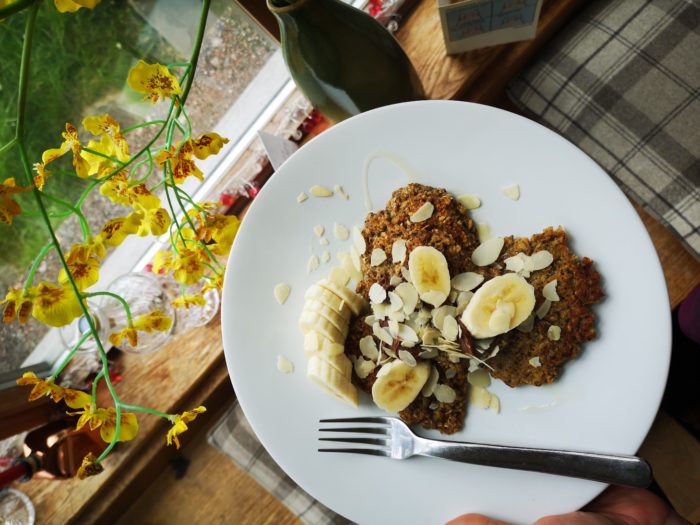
<point>340,362</point>
<point>327,377</point>
<point>339,321</point>
<point>324,296</point>
<point>429,274</point>
<point>309,321</point>
<point>398,384</point>
<point>500,305</point>
<point>355,301</point>
<point>315,342</point>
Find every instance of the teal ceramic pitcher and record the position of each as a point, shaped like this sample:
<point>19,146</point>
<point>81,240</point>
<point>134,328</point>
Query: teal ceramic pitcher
<point>342,59</point>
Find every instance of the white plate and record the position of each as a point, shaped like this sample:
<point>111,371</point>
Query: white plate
<point>606,399</point>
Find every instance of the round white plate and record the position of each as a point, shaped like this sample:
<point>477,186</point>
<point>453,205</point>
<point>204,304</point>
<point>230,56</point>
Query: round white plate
<point>604,402</point>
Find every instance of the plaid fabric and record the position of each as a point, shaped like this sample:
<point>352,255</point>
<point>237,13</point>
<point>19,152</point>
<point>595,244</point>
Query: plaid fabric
<point>621,82</point>
<point>235,438</point>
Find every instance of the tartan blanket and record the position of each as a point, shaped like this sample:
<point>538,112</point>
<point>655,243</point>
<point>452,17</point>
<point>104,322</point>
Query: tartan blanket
<point>621,82</point>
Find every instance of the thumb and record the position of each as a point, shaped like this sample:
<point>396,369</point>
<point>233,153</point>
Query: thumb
<point>475,519</point>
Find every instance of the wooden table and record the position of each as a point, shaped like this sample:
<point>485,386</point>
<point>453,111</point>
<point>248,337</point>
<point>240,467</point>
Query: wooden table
<point>192,371</point>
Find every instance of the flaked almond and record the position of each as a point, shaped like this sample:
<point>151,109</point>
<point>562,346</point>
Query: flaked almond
<point>347,263</point>
<point>323,241</point>
<point>469,201</point>
<point>368,347</point>
<point>483,230</point>
<point>341,232</point>
<point>377,257</point>
<point>479,397</point>
<point>377,294</point>
<point>320,191</point>
<point>393,327</point>
<point>398,251</point>
<point>429,386</point>
<point>281,292</point>
<point>369,320</point>
<point>450,373</point>
<point>450,328</point>
<point>512,192</point>
<point>543,310</point>
<point>535,362</point>
<point>554,333</point>
<point>338,276</point>
<point>358,241</point>
<point>541,259</point>
<point>325,256</point>
<point>515,264</point>
<point>381,334</point>
<point>380,310</point>
<point>408,294</point>
<point>493,353</point>
<point>407,357</point>
<point>363,367</point>
<point>312,264</point>
<point>480,378</point>
<point>408,334</point>
<point>396,303</point>
<point>355,258</point>
<point>284,365</point>
<point>395,280</point>
<point>495,404</point>
<point>549,291</point>
<point>445,394</point>
<point>423,213</point>
<point>527,325</point>
<point>319,230</point>
<point>430,353</point>
<point>452,298</point>
<point>302,197</point>
<point>462,301</point>
<point>467,281</point>
<point>440,314</point>
<point>406,274</point>
<point>487,252</point>
<point>340,191</point>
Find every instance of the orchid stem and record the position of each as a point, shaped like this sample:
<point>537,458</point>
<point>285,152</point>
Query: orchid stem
<point>35,265</point>
<point>75,348</point>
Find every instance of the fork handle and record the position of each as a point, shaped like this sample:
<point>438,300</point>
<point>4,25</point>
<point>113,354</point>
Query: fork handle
<point>631,471</point>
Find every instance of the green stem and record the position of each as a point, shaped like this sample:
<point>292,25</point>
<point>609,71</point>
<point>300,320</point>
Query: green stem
<point>136,408</point>
<point>195,54</point>
<point>94,386</point>
<point>98,154</point>
<point>187,119</point>
<point>70,355</point>
<point>22,88</point>
<point>84,226</point>
<point>116,297</point>
<point>35,265</point>
<point>8,146</point>
<point>15,7</point>
<point>143,125</point>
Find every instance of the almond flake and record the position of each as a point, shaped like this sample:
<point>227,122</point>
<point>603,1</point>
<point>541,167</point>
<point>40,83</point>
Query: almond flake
<point>429,386</point>
<point>380,310</point>
<point>431,353</point>
<point>423,213</point>
<point>338,276</point>
<point>480,378</point>
<point>363,367</point>
<point>340,191</point>
<point>323,241</point>
<point>358,240</point>
<point>445,394</point>
<point>554,333</point>
<point>398,251</point>
<point>396,302</point>
<point>484,344</point>
<point>369,320</point>
<point>512,192</point>
<point>312,264</point>
<point>378,257</point>
<point>320,191</point>
<point>381,334</point>
<point>393,327</point>
<point>430,336</point>
<point>527,325</point>
<point>467,281</point>
<point>440,314</point>
<point>355,258</point>
<point>480,397</point>
<point>408,334</point>
<point>541,259</point>
<point>495,404</point>
<point>284,365</point>
<point>433,297</point>
<point>395,280</point>
<point>319,230</point>
<point>326,257</point>
<point>469,201</point>
<point>407,357</point>
<point>544,308</point>
<point>368,347</point>
<point>449,328</point>
<point>281,292</point>
<point>377,294</point>
<point>302,197</point>
<point>493,353</point>
<point>515,264</point>
<point>450,373</point>
<point>406,274</point>
<point>549,291</point>
<point>346,261</point>
<point>341,232</point>
<point>463,301</point>
<point>535,362</point>
<point>483,230</point>
<point>487,252</point>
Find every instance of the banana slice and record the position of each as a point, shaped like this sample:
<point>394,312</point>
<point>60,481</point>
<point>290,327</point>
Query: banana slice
<point>313,321</point>
<point>340,322</point>
<point>332,381</point>
<point>429,274</point>
<point>356,302</point>
<point>500,305</point>
<point>324,296</point>
<point>398,384</point>
<point>315,342</point>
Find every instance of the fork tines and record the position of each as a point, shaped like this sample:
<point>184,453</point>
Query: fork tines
<point>381,442</point>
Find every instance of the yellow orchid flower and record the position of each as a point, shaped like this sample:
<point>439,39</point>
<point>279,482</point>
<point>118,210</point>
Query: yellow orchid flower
<point>9,208</point>
<point>41,175</point>
<point>151,221</point>
<point>185,301</point>
<point>181,162</point>
<point>222,229</point>
<point>116,230</point>
<point>42,387</point>
<point>85,273</point>
<point>71,6</point>
<point>155,321</point>
<point>76,398</point>
<point>89,467</point>
<point>70,142</point>
<point>216,283</point>
<point>55,305</point>
<point>162,262</point>
<point>106,127</point>
<point>119,190</point>
<point>153,79</point>
<point>127,431</point>
<point>129,333</point>
<point>179,422</point>
<point>188,267</point>
<point>97,164</point>
<point>17,306</point>
<point>208,144</point>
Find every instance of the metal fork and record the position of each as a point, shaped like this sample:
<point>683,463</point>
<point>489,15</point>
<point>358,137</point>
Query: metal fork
<point>392,438</point>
